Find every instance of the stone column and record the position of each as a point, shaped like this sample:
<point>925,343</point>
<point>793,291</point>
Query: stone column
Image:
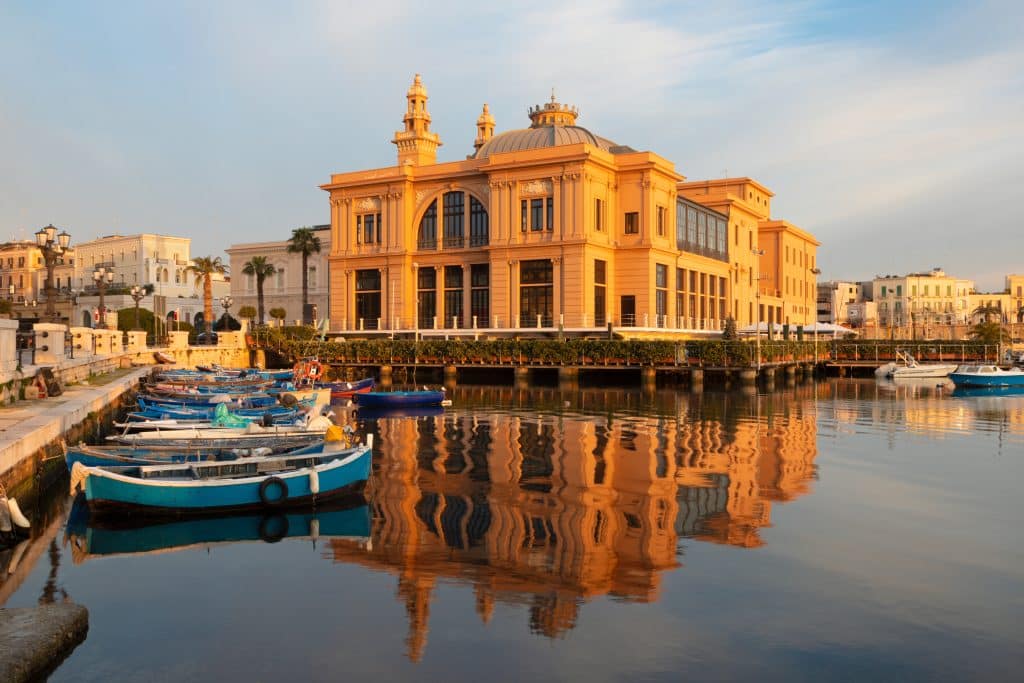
<point>179,339</point>
<point>49,343</point>
<point>116,342</point>
<point>81,342</point>
<point>136,340</point>
<point>102,339</point>
<point>8,346</point>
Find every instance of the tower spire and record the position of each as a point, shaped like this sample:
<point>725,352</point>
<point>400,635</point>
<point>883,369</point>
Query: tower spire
<point>416,144</point>
<point>484,127</point>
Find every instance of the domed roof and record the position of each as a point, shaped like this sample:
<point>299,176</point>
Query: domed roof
<point>554,124</point>
<point>543,136</point>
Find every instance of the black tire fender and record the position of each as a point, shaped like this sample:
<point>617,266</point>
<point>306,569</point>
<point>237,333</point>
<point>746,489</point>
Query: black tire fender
<point>273,528</point>
<point>267,485</point>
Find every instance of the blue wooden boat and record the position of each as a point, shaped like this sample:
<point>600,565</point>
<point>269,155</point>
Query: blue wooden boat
<point>95,536</point>
<point>210,400</point>
<point>987,376</point>
<point>399,399</point>
<point>270,482</point>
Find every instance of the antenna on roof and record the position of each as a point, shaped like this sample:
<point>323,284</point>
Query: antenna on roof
<point>552,95</point>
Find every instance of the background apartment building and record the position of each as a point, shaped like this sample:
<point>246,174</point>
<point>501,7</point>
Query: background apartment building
<point>283,289</point>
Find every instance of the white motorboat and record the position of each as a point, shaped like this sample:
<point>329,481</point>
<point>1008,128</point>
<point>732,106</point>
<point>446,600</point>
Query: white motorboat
<point>906,366</point>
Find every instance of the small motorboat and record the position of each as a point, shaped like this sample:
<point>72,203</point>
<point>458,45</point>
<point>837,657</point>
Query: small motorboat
<point>907,367</point>
<point>399,399</point>
<point>270,482</point>
<point>987,376</point>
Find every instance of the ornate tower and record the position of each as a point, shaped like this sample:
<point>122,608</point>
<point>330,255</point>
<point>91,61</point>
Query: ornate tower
<point>553,114</point>
<point>416,144</point>
<point>484,128</point>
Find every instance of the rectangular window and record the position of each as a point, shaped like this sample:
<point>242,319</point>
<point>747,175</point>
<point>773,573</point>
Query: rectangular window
<point>680,292</point>
<point>680,226</point>
<point>368,298</point>
<point>691,226</point>
<point>632,223</point>
<point>524,212</point>
<point>599,215</point>
<point>536,215</point>
<point>426,283</point>
<point>722,227</point>
<point>480,295</point>
<point>536,293</point>
<point>551,212</point>
<point>660,294</point>
<point>899,290</point>
<point>453,219</point>
<point>662,219</point>
<point>453,313</point>
<point>600,293</point>
<point>702,228</point>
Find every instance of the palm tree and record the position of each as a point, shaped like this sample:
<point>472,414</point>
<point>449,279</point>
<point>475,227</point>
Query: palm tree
<point>304,241</point>
<point>989,333</point>
<point>989,313</point>
<point>259,267</point>
<point>204,267</point>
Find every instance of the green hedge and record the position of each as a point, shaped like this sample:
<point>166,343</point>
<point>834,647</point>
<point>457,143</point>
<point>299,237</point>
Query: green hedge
<point>709,353</point>
<point>544,351</point>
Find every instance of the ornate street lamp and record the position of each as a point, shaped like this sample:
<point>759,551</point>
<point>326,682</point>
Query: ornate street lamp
<point>52,246</point>
<point>103,278</point>
<point>138,294</point>
<point>225,302</point>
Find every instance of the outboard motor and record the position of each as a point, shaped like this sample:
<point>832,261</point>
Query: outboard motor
<point>267,420</point>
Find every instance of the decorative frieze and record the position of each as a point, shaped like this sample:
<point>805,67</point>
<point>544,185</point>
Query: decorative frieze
<point>536,187</point>
<point>368,204</point>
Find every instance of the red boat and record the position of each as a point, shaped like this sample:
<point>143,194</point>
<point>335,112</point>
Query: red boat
<point>342,390</point>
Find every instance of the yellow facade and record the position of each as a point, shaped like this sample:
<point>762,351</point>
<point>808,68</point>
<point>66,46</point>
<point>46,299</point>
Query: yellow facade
<point>549,227</point>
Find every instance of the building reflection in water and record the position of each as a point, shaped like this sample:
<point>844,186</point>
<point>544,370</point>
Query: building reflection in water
<point>543,505</point>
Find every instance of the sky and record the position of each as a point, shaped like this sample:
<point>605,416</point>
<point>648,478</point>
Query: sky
<point>891,131</point>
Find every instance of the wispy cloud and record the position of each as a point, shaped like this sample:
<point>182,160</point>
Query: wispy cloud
<point>873,123</point>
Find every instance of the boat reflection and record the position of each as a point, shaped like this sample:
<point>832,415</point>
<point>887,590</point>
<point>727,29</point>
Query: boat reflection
<point>548,506</point>
<point>91,537</point>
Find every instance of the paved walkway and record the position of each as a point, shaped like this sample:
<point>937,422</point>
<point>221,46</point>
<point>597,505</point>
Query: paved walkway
<point>27,426</point>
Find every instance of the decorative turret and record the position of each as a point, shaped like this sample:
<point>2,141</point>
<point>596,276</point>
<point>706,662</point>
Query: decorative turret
<point>416,144</point>
<point>484,128</point>
<point>553,114</point>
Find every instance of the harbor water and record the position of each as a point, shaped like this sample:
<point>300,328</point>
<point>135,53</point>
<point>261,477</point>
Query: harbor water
<point>839,530</point>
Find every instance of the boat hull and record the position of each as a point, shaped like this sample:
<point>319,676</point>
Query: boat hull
<point>399,399</point>
<point>110,490</point>
<point>995,379</point>
<point>922,371</point>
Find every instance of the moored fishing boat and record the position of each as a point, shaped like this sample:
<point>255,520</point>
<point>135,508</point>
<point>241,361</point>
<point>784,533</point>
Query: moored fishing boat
<point>250,483</point>
<point>399,399</point>
<point>987,376</point>
<point>343,390</point>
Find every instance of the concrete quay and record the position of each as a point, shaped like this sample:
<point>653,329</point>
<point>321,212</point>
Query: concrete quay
<point>36,639</point>
<point>29,428</point>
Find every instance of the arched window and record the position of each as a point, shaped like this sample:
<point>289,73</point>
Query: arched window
<point>455,215</point>
<point>427,237</point>
<point>167,275</point>
<point>177,277</point>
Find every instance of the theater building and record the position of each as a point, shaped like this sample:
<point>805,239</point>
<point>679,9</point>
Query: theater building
<point>554,228</point>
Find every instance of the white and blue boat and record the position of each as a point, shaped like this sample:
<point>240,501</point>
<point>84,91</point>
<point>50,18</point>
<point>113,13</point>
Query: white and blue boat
<point>270,482</point>
<point>987,376</point>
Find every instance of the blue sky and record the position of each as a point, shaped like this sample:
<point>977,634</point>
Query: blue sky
<point>890,130</point>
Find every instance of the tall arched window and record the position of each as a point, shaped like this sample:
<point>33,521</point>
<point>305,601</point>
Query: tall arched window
<point>455,215</point>
<point>427,238</point>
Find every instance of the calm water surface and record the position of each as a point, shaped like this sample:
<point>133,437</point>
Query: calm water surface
<point>843,530</point>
